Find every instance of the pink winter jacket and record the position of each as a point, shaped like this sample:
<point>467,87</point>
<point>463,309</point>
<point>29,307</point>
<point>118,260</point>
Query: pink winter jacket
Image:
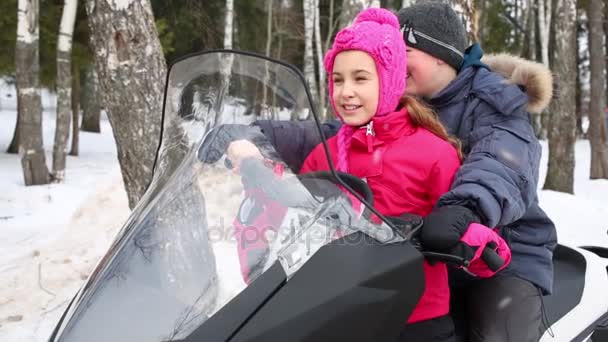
<point>407,169</point>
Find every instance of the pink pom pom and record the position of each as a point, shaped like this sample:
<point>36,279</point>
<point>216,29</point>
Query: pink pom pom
<point>378,15</point>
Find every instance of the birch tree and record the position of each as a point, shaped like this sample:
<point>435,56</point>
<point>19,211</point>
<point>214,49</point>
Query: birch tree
<point>544,27</point>
<point>531,29</point>
<point>309,62</point>
<point>350,9</point>
<point>227,63</point>
<point>75,110</point>
<point>562,129</point>
<point>228,21</point>
<point>31,150</point>
<point>320,55</point>
<point>407,3</point>
<point>91,104</point>
<point>468,14</point>
<point>131,69</point>
<point>269,6</point>
<point>597,121</point>
<point>132,74</point>
<point>64,88</point>
<point>544,15</point>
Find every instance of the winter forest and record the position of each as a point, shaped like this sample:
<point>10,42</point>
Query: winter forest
<point>81,98</point>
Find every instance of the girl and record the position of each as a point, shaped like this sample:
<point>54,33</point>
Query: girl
<point>394,142</point>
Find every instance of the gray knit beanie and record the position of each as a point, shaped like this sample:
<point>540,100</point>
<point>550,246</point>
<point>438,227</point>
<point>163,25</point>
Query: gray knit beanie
<point>434,27</point>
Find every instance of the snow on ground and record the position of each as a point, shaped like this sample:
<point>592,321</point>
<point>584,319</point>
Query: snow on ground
<point>582,218</point>
<point>51,236</point>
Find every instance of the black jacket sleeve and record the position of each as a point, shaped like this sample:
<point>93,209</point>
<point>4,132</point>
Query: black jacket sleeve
<point>294,140</point>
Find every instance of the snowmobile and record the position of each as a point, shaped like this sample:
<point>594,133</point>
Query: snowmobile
<point>328,271</point>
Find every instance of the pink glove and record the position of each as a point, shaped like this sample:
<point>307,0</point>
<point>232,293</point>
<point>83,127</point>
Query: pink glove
<point>478,237</point>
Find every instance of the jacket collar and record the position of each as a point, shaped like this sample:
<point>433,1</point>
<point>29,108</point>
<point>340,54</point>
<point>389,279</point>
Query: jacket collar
<point>384,129</point>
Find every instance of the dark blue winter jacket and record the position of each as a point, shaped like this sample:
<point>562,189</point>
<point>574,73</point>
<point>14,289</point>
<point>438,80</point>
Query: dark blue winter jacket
<point>499,176</point>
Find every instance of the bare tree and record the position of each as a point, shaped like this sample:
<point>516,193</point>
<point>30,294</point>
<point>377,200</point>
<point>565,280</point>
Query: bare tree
<point>269,7</point>
<point>562,129</point>
<point>407,3</point>
<point>27,63</point>
<point>64,87</point>
<point>544,27</point>
<point>320,54</point>
<point>583,74</point>
<point>468,13</point>
<point>309,62</point>
<point>350,9</point>
<point>131,69</point>
<point>75,110</point>
<point>597,122</point>
<point>544,15</point>
<point>228,21</point>
<point>531,31</point>
<point>91,104</point>
<point>228,32</point>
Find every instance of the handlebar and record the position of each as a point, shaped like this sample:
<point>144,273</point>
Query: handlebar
<point>491,258</point>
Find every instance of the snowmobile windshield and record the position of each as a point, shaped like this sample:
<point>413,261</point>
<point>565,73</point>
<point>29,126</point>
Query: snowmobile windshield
<point>206,230</point>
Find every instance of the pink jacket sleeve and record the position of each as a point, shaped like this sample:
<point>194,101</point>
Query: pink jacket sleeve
<point>443,172</point>
<point>314,161</point>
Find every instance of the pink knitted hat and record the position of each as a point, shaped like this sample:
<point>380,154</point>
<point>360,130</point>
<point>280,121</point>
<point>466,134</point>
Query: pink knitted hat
<point>375,31</point>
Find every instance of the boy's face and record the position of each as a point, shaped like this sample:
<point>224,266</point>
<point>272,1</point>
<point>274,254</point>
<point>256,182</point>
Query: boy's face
<point>423,73</point>
<point>356,87</point>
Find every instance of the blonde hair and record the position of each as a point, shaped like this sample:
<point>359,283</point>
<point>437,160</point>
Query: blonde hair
<point>423,116</point>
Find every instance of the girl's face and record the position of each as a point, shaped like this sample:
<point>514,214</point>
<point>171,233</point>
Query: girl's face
<point>422,71</point>
<point>356,87</point>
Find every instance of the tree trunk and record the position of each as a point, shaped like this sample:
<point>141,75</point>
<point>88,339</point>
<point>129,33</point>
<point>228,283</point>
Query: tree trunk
<point>531,54</point>
<point>597,121</point>
<point>13,148</point>
<point>407,3</point>
<point>562,131</point>
<point>269,6</point>
<point>131,69</point>
<point>31,147</point>
<point>64,88</point>
<point>544,25</point>
<point>466,10</point>
<point>606,45</point>
<point>320,54</point>
<point>309,62</point>
<point>132,74</point>
<point>228,20</point>
<point>350,9</point>
<point>582,74</point>
<point>531,28</point>
<point>91,104</point>
<point>75,110</point>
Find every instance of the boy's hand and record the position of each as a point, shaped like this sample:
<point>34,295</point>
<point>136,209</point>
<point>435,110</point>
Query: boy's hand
<point>242,149</point>
<point>444,226</point>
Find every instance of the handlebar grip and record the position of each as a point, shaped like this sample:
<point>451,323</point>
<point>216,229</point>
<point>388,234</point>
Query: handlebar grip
<point>492,259</point>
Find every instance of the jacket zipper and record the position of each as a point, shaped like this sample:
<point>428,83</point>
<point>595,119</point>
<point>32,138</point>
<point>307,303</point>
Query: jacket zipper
<point>369,136</point>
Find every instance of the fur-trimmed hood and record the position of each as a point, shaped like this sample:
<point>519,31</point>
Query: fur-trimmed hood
<point>534,78</point>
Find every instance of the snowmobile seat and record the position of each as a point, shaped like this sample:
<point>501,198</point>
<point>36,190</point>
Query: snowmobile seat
<point>568,283</point>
